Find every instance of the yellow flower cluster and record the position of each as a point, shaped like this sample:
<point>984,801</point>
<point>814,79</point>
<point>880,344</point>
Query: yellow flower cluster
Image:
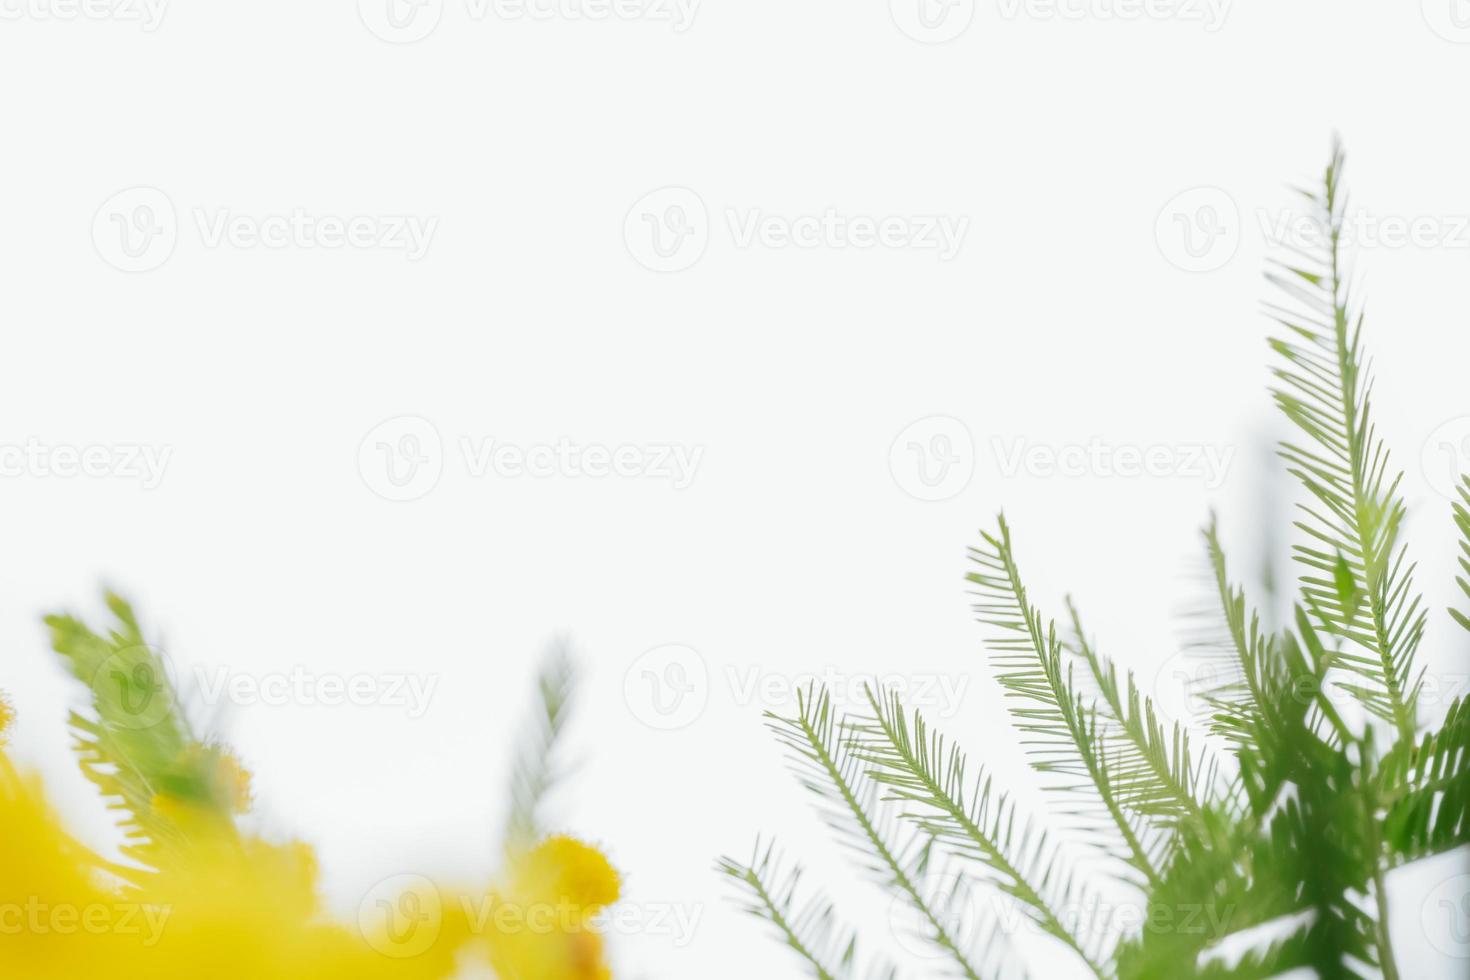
<point>7,715</point>
<point>555,890</point>
<point>241,907</point>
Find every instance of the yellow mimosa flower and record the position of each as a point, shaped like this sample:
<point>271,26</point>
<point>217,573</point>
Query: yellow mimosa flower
<point>239,908</point>
<point>195,896</point>
<point>543,928</point>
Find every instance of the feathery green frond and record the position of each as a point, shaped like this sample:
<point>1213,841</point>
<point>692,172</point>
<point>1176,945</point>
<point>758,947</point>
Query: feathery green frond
<point>809,927</point>
<point>966,815</point>
<point>534,771</point>
<point>1303,857</point>
<point>1283,868</point>
<point>1066,735</point>
<point>1425,790</point>
<point>1462,521</point>
<point>1261,685</point>
<point>134,743</point>
<point>1246,672</point>
<point>1281,956</point>
<point>1308,800</point>
<point>822,756</point>
<point>1356,580</point>
<point>1152,766</point>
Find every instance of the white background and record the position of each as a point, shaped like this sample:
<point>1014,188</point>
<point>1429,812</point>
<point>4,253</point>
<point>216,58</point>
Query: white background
<point>1065,317</point>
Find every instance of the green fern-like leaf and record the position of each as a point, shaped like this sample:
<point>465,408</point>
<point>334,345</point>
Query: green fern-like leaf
<point>534,773</point>
<point>1462,521</point>
<point>1066,735</point>
<point>1015,855</point>
<point>824,759</point>
<point>1280,862</point>
<point>808,926</point>
<point>1356,580</point>
<point>1425,790</point>
<point>134,742</point>
<point>1151,765</point>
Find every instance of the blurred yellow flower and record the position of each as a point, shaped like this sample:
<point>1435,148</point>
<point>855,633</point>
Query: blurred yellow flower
<point>543,926</point>
<point>220,904</point>
<point>563,869</point>
<point>241,907</point>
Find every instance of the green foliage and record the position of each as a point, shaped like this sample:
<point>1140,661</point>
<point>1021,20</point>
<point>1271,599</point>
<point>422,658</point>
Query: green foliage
<point>534,771</point>
<point>1356,583</point>
<point>134,742</point>
<point>1315,797</point>
<point>1462,521</point>
<point>809,927</point>
<point>828,763</point>
<point>1426,790</point>
<point>1013,854</point>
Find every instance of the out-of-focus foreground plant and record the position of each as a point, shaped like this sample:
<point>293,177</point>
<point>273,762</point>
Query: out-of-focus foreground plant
<point>1333,774</point>
<point>194,894</point>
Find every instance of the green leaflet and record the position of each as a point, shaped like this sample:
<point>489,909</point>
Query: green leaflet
<point>1356,577</point>
<point>534,768</point>
<point>809,927</point>
<point>134,742</point>
<point>1292,829</point>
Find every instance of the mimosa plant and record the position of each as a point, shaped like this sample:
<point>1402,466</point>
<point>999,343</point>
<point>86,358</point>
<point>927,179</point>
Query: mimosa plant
<point>194,894</point>
<point>1330,772</point>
